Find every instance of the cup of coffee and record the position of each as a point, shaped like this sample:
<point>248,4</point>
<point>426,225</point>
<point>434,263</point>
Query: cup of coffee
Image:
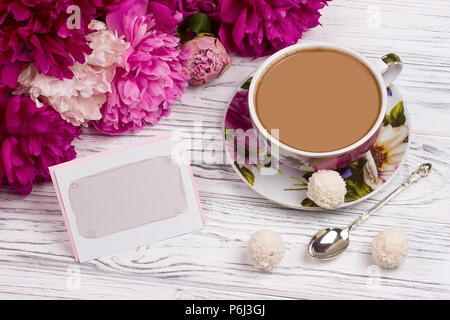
<point>319,105</point>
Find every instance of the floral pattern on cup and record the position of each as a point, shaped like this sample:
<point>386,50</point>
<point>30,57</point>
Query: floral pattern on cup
<point>242,140</point>
<point>380,163</point>
<point>387,153</point>
<point>363,176</point>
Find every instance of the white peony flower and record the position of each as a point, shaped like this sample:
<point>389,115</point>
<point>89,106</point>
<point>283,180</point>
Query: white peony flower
<point>79,99</point>
<point>107,47</point>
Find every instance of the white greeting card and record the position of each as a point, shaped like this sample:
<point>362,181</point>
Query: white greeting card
<point>120,199</point>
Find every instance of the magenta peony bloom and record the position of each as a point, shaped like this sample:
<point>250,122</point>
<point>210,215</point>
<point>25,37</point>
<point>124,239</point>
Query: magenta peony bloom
<point>188,7</point>
<point>37,31</point>
<point>261,27</point>
<point>238,115</point>
<point>31,140</point>
<point>164,12</point>
<point>208,61</point>
<point>168,14</point>
<point>151,80</point>
<point>9,73</point>
<point>102,7</point>
<point>242,139</point>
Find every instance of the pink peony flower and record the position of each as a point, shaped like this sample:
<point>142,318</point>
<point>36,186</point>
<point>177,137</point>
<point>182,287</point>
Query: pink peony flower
<point>208,61</point>
<point>37,31</point>
<point>151,80</point>
<point>102,7</point>
<point>79,99</point>
<point>261,27</point>
<point>164,12</point>
<point>31,140</point>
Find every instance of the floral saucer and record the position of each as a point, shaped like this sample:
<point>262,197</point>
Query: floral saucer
<point>287,186</point>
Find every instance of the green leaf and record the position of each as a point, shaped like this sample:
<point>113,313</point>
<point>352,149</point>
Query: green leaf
<point>357,166</point>
<point>247,83</point>
<point>356,187</point>
<point>247,174</point>
<point>206,34</point>
<point>386,121</point>
<point>267,162</point>
<point>356,190</point>
<point>198,23</point>
<point>308,203</point>
<point>308,175</point>
<point>396,117</point>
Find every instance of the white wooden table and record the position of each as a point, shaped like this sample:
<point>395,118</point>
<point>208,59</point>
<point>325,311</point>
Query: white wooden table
<point>36,260</point>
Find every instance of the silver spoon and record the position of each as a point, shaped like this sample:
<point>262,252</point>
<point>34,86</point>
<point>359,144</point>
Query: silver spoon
<point>328,243</point>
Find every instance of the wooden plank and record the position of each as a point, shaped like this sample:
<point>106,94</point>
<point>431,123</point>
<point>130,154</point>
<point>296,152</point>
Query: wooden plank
<point>25,282</point>
<point>212,263</point>
<point>216,255</point>
<point>427,201</point>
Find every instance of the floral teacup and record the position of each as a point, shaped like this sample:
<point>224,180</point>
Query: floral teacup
<point>384,72</point>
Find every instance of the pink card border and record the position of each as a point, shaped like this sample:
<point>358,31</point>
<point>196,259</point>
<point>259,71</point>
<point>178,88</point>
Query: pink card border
<point>147,141</point>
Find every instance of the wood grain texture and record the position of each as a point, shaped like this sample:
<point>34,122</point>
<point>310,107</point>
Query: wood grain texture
<point>19,282</point>
<point>35,253</point>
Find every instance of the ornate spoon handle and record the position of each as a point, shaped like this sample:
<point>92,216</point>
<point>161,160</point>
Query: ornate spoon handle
<point>422,171</point>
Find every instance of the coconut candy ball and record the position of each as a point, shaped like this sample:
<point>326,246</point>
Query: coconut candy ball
<point>390,248</point>
<point>327,189</point>
<point>265,249</point>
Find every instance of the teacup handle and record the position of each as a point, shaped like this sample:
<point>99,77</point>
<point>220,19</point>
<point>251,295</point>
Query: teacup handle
<point>390,66</point>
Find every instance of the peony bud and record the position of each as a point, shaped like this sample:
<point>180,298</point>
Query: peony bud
<point>209,59</point>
